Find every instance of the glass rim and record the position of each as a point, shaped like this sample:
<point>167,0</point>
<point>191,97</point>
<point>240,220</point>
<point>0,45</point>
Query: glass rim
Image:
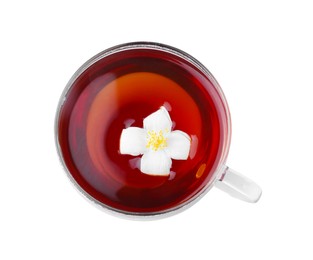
<point>153,46</point>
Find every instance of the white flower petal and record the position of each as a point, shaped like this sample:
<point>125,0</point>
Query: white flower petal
<point>158,121</point>
<point>156,163</point>
<point>178,145</point>
<point>133,141</point>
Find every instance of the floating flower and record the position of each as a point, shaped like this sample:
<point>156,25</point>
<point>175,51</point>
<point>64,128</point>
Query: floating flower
<point>156,142</point>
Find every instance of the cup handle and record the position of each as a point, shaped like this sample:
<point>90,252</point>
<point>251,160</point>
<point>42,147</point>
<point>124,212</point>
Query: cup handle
<point>238,186</point>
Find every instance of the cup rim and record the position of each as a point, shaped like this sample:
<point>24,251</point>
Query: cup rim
<point>153,46</point>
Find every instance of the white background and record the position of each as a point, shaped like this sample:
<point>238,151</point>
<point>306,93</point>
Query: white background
<point>261,52</point>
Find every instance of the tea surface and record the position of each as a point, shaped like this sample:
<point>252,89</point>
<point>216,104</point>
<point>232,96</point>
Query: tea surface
<point>120,91</point>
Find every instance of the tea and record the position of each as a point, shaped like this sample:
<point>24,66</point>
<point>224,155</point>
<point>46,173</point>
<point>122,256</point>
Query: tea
<point>119,91</point>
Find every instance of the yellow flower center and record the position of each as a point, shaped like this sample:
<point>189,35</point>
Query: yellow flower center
<point>156,141</point>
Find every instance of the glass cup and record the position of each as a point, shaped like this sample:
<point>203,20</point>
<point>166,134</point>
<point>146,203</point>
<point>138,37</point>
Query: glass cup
<point>143,129</point>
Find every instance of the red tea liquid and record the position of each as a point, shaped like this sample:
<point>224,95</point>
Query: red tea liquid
<point>119,91</point>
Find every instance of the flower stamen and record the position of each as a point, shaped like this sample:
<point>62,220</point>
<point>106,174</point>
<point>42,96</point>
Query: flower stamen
<point>156,141</point>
